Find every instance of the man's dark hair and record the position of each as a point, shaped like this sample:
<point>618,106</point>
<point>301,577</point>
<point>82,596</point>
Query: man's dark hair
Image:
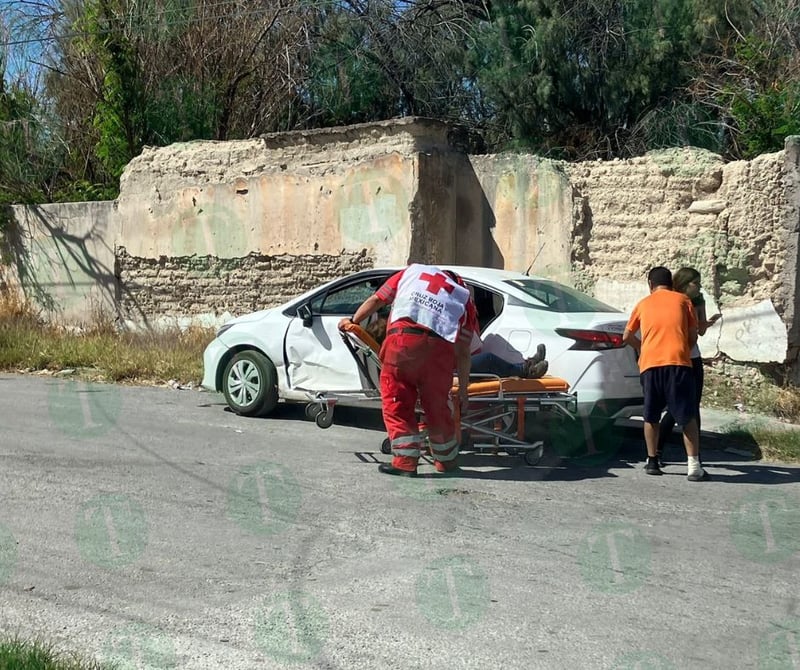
<point>660,276</point>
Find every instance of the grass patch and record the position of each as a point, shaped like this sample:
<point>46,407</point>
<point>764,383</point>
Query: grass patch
<point>755,395</point>
<point>21,655</point>
<point>766,442</point>
<point>99,352</point>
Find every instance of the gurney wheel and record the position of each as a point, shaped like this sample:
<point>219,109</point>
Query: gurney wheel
<point>324,418</point>
<point>533,456</point>
<point>312,409</point>
<point>386,446</point>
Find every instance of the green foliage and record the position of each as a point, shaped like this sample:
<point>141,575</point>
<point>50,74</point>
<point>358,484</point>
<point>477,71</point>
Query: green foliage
<point>343,85</point>
<point>118,113</point>
<point>81,190</point>
<point>678,123</point>
<point>23,655</point>
<point>574,78</point>
<point>765,101</point>
<point>389,60</point>
<point>27,159</point>
<point>179,110</point>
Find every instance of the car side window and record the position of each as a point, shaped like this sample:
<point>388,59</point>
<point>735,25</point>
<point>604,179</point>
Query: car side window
<point>344,301</point>
<point>488,304</point>
<point>550,296</point>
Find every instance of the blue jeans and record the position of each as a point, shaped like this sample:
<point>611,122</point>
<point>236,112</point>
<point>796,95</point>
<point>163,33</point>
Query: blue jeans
<point>489,363</point>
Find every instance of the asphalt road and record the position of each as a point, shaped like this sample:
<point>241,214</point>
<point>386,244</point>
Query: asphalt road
<point>153,528</point>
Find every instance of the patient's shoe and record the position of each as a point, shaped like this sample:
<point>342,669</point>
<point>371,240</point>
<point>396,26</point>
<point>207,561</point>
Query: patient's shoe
<point>534,370</point>
<point>540,355</point>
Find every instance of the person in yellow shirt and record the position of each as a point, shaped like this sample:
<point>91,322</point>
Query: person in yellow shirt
<point>667,324</point>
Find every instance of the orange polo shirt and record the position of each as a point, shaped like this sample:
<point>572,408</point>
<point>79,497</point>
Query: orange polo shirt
<point>664,318</point>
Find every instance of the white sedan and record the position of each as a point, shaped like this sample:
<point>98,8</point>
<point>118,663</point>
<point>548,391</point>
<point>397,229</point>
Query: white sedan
<point>294,350</point>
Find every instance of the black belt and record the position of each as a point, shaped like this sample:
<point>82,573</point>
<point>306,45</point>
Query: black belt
<point>411,330</point>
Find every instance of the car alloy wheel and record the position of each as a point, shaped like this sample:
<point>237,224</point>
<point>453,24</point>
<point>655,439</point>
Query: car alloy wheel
<point>250,384</point>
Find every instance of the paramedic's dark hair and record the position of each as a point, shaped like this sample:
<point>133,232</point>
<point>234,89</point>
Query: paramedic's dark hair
<point>454,277</point>
<point>660,276</point>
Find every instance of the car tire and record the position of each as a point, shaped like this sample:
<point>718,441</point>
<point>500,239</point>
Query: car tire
<point>250,384</point>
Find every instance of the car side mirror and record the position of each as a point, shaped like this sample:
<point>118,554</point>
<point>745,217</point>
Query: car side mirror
<point>304,313</point>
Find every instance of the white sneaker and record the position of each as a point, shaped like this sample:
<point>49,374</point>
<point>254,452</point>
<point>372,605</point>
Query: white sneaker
<point>699,476</point>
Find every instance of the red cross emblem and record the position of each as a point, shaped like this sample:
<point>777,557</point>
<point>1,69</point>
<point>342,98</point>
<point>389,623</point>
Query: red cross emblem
<point>436,282</point>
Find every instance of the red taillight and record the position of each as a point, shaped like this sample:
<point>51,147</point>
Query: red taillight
<point>591,340</point>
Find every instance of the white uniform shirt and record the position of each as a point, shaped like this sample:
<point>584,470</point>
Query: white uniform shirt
<point>430,298</point>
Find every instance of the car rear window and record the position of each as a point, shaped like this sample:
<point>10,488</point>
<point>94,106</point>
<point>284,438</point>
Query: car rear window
<point>557,297</point>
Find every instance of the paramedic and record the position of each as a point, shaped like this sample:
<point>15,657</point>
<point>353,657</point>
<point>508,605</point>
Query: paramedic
<point>428,335</point>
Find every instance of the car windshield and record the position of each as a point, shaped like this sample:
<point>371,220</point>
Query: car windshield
<point>558,297</point>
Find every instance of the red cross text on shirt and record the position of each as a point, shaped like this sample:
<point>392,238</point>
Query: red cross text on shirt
<point>436,283</point>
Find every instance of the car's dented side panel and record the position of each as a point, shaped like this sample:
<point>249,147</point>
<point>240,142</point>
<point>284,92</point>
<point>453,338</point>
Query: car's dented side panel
<point>317,358</point>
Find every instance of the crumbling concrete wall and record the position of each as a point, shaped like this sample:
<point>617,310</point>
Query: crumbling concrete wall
<point>351,194</point>
<point>208,229</point>
<point>516,213</point>
<point>686,207</point>
<point>206,290</point>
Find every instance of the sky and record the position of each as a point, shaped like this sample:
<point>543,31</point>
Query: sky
<point>23,34</point>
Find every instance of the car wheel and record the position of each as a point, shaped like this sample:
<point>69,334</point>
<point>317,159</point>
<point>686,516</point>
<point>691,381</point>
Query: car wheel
<point>250,384</point>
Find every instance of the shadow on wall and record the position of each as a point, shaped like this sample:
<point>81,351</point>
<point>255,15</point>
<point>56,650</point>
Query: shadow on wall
<point>474,244</point>
<point>57,270</point>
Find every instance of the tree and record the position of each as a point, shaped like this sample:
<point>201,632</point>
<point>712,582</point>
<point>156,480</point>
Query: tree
<point>752,81</point>
<point>387,59</point>
<point>574,78</point>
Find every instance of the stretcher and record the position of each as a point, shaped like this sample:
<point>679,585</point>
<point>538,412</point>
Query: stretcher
<point>499,416</point>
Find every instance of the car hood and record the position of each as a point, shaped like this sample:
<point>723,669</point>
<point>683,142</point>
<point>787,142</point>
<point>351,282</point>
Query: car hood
<point>251,317</point>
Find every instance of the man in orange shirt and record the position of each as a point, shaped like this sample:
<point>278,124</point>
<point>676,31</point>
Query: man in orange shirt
<point>668,327</point>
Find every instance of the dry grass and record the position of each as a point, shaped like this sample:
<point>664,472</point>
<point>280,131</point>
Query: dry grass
<point>756,396</point>
<point>98,351</point>
<point>765,439</point>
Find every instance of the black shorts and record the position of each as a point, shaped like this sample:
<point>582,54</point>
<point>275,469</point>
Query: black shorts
<point>671,387</point>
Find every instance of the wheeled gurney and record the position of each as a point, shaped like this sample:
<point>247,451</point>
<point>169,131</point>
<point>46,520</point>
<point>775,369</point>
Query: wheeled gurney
<point>501,411</point>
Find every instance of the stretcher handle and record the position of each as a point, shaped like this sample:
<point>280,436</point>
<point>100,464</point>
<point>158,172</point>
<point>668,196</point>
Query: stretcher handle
<point>363,335</point>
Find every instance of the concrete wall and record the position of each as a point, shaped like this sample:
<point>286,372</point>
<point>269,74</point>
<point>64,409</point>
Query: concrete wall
<point>349,197</point>
<point>205,230</point>
<point>682,207</point>
<point>62,257</point>
<point>521,209</point>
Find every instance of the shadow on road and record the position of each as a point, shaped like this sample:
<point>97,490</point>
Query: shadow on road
<point>602,455</point>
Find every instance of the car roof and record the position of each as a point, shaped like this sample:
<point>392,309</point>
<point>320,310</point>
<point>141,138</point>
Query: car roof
<point>471,271</point>
<point>489,274</point>
<point>495,278</point>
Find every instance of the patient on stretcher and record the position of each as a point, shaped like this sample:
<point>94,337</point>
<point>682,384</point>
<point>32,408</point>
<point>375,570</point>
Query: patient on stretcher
<point>484,362</point>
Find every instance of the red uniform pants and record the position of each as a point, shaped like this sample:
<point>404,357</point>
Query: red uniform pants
<point>416,365</point>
